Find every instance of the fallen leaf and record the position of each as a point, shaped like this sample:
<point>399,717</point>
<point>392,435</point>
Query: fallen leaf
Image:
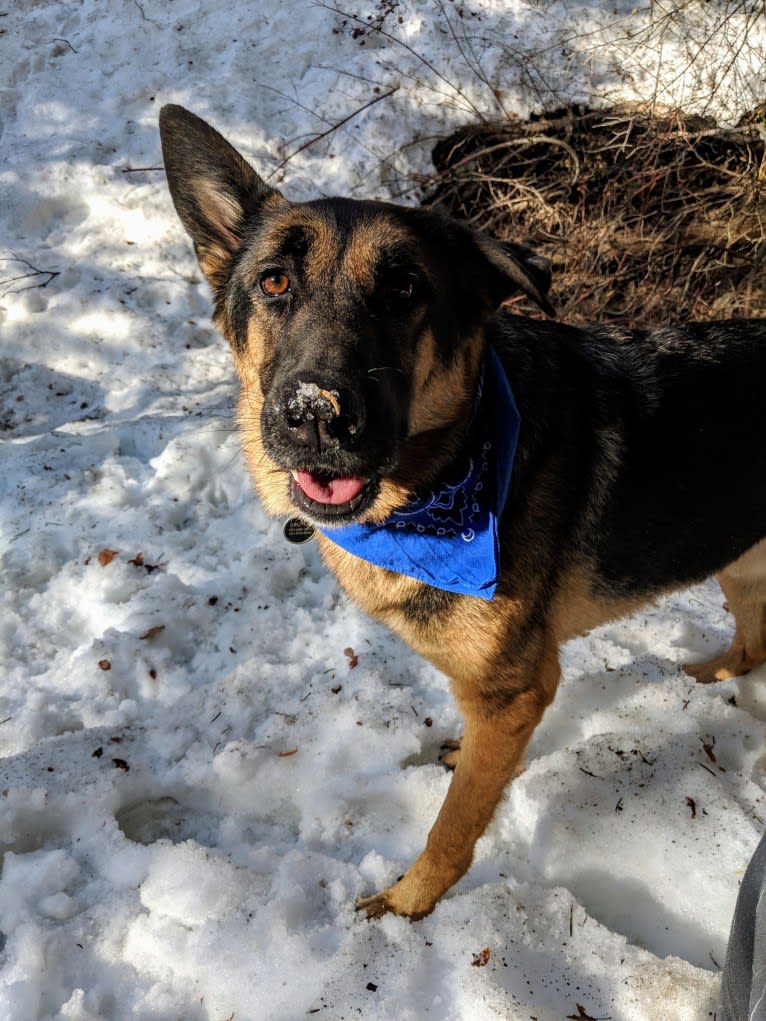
<point>152,631</point>
<point>482,958</point>
<point>106,556</point>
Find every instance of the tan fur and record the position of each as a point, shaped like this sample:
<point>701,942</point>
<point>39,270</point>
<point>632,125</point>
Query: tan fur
<point>442,396</point>
<point>490,752</point>
<point>744,585</point>
<point>214,260</point>
<point>359,257</point>
<point>503,672</point>
<point>465,646</point>
<point>577,609</point>
<point>438,399</point>
<point>271,482</point>
<point>221,209</point>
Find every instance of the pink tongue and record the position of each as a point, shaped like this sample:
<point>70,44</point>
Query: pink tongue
<point>339,490</point>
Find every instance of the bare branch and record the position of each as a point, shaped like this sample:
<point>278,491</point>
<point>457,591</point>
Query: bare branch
<point>32,273</point>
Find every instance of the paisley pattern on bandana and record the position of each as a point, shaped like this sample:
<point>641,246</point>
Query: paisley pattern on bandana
<point>449,538</point>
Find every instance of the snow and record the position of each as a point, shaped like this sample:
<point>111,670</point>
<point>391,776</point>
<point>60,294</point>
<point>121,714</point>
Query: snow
<point>196,780</point>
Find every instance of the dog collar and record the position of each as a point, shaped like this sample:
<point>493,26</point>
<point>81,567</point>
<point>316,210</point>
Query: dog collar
<point>449,538</point>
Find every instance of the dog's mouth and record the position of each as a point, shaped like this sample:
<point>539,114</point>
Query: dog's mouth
<point>332,499</point>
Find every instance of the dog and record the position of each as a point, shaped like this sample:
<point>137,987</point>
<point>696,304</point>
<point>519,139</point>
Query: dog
<point>489,485</point>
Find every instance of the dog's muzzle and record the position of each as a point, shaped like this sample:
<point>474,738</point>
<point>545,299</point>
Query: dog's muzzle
<point>321,426</point>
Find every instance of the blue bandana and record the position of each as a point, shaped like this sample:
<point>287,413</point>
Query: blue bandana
<point>448,538</point>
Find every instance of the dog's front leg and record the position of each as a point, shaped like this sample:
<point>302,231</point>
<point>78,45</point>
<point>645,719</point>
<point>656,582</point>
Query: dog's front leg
<point>500,717</point>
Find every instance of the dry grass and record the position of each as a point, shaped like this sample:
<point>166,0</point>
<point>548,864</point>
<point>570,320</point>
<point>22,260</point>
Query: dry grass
<point>647,217</point>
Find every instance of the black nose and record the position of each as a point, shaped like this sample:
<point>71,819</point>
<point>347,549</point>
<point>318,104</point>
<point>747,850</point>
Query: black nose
<point>322,417</point>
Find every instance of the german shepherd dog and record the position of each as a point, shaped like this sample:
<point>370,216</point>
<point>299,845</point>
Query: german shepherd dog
<point>362,333</point>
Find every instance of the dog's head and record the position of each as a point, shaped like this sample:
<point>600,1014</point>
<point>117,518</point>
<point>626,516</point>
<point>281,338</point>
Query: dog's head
<point>356,327</point>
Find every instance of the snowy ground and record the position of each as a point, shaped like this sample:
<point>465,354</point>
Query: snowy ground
<point>196,780</point>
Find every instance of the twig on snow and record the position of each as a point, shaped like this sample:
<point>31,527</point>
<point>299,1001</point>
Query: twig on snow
<point>51,274</point>
<point>333,127</point>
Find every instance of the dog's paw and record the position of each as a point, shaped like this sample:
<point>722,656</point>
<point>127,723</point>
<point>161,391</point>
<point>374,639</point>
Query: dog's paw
<point>449,754</point>
<point>733,663</point>
<point>407,897</point>
<point>705,673</point>
<point>374,906</point>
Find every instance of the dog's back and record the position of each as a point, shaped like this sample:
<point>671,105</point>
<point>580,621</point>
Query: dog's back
<point>666,465</point>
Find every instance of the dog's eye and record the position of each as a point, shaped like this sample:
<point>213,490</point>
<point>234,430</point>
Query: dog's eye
<point>398,289</point>
<point>275,283</point>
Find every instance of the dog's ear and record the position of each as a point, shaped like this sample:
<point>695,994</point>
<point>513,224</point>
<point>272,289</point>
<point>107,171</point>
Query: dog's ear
<point>215,191</point>
<point>484,268</point>
<point>514,267</point>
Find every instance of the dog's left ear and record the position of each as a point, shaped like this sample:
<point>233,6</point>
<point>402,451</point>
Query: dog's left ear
<point>489,270</point>
<point>513,268</point>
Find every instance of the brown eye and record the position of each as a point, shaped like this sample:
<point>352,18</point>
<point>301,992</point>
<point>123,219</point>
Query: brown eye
<point>275,284</point>
<point>398,289</point>
<point>402,290</point>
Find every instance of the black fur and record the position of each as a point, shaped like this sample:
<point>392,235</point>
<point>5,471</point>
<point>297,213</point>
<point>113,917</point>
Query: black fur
<point>659,439</point>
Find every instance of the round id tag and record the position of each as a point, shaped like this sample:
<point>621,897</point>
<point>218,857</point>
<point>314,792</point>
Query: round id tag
<point>297,530</point>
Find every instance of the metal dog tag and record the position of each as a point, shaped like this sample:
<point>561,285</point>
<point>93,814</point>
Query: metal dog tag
<point>297,530</point>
